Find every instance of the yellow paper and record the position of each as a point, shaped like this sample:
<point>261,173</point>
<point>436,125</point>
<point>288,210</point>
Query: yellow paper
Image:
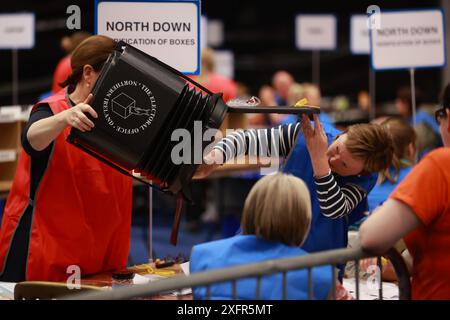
<point>301,102</point>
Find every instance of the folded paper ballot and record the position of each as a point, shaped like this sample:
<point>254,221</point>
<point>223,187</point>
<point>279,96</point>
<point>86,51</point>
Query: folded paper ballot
<point>140,102</point>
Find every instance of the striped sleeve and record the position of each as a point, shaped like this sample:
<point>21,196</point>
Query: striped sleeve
<point>277,141</point>
<point>334,201</point>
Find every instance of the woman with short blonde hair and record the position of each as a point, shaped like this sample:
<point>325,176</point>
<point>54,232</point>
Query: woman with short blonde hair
<point>275,223</point>
<point>292,220</point>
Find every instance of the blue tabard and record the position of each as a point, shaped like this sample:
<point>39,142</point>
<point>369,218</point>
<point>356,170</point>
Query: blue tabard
<point>326,233</point>
<point>244,249</point>
<point>381,192</point>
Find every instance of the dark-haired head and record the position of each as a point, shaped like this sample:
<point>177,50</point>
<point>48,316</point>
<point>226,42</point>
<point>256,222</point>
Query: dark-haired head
<point>87,59</point>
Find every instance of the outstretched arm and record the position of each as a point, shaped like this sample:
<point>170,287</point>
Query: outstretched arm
<point>271,142</point>
<point>43,132</point>
<point>276,141</point>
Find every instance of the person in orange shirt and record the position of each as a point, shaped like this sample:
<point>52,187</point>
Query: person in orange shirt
<point>419,212</point>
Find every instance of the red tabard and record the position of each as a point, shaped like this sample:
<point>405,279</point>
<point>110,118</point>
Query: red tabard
<point>81,212</point>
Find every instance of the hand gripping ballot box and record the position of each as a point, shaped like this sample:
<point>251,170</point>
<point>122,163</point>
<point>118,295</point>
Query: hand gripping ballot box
<point>140,102</point>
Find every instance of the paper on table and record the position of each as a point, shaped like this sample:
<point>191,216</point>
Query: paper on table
<point>185,268</point>
<point>7,290</point>
<point>390,290</point>
<point>185,291</point>
<point>138,279</point>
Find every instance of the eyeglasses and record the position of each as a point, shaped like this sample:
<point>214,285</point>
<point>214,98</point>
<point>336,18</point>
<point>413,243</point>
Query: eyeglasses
<point>440,114</point>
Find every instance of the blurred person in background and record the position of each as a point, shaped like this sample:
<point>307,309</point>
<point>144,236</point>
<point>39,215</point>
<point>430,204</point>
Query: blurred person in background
<point>314,97</point>
<point>65,207</point>
<point>212,80</point>
<point>275,95</point>
<point>295,94</point>
<point>242,91</point>
<point>313,94</point>
<point>426,128</point>
<point>205,192</point>
<point>404,138</point>
<point>281,83</point>
<point>63,68</point>
<point>363,100</point>
<point>263,120</point>
<point>418,211</point>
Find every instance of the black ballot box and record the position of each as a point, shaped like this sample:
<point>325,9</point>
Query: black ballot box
<point>140,102</point>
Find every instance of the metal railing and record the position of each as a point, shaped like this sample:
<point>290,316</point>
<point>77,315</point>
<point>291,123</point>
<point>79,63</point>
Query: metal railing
<point>258,270</point>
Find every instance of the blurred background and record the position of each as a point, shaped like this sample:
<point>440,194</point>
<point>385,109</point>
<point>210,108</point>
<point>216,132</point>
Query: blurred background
<point>261,37</point>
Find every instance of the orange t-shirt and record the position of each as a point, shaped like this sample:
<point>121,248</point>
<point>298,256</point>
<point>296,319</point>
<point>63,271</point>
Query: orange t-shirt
<point>426,190</point>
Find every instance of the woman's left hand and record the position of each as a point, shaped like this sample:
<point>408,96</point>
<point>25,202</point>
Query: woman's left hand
<point>317,144</point>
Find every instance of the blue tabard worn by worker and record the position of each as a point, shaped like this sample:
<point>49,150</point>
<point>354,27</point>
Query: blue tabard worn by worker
<point>381,192</point>
<point>326,233</point>
<point>245,249</point>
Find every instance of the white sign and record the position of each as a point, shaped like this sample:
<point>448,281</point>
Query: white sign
<point>211,33</point>
<point>359,34</point>
<point>17,31</point>
<point>169,31</point>
<point>409,39</point>
<point>10,113</point>
<point>224,63</point>
<point>8,155</point>
<point>203,32</point>
<point>315,31</point>
<point>215,33</point>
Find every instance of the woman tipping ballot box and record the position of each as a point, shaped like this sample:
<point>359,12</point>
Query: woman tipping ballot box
<point>65,207</point>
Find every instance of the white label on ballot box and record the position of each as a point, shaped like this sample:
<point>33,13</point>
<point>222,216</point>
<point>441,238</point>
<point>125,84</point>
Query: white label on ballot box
<point>359,34</point>
<point>169,31</point>
<point>409,39</point>
<point>315,31</point>
<point>17,31</point>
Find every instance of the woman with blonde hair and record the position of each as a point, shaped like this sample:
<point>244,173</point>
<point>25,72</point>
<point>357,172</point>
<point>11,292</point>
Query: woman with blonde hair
<point>275,223</point>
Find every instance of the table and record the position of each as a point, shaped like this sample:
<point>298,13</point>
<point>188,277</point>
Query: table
<point>105,280</point>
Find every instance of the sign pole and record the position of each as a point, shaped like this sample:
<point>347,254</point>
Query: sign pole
<point>15,76</point>
<point>316,67</point>
<point>150,224</point>
<point>413,95</point>
<point>372,93</point>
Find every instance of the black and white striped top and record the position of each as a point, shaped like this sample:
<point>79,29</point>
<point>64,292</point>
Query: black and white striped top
<point>335,201</point>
